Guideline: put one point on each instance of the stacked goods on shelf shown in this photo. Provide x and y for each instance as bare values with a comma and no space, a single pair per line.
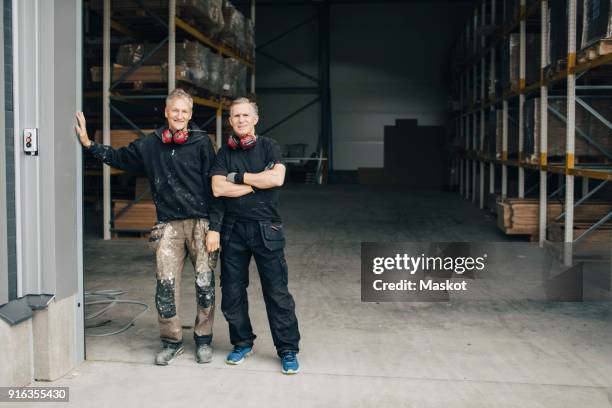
215,80
233,32
557,134
557,33
234,78
512,133
530,123
205,15
597,22
144,73
195,64
585,215
509,62
520,216
490,141
195,60
140,216
249,39
132,54
121,138
533,57
511,67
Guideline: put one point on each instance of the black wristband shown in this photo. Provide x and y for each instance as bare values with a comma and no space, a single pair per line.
239,179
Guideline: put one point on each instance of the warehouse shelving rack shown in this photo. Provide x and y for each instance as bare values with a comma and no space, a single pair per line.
470,124
109,92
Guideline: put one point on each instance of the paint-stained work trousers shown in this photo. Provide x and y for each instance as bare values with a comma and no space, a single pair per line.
172,242
264,241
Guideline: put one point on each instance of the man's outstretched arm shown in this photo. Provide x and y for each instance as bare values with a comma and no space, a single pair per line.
126,158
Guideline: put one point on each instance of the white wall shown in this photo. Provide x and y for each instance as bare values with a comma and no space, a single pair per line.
388,61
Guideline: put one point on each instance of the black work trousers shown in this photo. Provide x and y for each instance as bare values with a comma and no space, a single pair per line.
265,241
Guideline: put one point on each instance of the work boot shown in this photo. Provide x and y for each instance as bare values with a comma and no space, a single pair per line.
204,353
168,353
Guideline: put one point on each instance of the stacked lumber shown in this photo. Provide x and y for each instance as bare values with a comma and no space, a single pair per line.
520,216
585,215
556,231
516,216
121,137
144,73
140,216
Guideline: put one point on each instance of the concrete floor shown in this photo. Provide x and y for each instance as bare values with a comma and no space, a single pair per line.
460,354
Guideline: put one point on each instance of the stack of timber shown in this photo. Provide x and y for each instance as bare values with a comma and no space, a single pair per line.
584,218
140,217
520,216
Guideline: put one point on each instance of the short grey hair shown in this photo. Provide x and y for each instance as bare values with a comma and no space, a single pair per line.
240,101
179,93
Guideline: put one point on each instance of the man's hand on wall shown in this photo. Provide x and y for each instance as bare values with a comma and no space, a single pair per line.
81,130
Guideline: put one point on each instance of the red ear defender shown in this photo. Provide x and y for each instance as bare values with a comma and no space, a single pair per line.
178,137
167,136
233,142
245,143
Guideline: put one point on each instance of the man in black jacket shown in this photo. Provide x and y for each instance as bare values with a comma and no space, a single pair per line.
177,159
248,174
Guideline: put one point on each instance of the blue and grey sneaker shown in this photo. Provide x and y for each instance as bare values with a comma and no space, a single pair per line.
238,354
289,363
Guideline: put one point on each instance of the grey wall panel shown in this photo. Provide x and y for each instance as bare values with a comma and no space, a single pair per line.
47,216
65,156
3,242
9,162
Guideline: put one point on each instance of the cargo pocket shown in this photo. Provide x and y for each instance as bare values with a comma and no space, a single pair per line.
273,235
284,270
157,233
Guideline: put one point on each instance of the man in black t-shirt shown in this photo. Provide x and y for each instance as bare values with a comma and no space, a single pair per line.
177,159
248,173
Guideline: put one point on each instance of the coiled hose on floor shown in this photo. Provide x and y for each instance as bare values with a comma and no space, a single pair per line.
110,297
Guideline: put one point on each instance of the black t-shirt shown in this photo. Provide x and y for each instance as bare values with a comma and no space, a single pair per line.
261,205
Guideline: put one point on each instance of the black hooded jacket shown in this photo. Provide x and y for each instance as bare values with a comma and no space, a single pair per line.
178,173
